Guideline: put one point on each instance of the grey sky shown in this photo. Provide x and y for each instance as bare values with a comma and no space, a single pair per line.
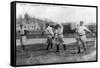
58,13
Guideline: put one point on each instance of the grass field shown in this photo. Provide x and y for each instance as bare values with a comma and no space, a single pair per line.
37,54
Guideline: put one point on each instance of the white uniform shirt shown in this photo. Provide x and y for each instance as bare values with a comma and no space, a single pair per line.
60,30
22,31
81,30
49,30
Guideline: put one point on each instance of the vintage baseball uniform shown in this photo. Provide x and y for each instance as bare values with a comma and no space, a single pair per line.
82,33
60,34
22,32
60,31
49,30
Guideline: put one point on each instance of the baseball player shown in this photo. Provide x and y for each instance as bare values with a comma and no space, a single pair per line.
22,34
81,32
49,30
59,36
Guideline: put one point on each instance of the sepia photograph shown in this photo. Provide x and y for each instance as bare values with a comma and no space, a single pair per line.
51,34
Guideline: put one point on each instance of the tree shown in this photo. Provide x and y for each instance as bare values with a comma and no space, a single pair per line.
27,17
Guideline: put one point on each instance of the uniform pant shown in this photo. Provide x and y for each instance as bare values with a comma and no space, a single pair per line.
81,40
22,41
49,41
60,42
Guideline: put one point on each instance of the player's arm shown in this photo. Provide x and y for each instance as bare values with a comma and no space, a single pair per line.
76,31
46,30
86,29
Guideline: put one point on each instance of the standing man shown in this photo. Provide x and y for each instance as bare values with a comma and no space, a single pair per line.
59,36
22,36
81,32
49,30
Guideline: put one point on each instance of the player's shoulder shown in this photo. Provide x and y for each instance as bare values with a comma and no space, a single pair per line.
49,27
83,26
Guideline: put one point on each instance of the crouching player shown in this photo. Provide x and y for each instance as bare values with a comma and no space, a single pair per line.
81,36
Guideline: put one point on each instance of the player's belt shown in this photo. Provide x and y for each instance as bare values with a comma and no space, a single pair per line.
59,34
49,34
81,35
22,35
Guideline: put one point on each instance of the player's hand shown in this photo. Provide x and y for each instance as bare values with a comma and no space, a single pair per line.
93,34
94,39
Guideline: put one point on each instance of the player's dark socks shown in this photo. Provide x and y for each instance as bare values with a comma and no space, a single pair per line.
84,47
51,45
57,48
64,46
79,51
57,51
23,47
78,47
47,46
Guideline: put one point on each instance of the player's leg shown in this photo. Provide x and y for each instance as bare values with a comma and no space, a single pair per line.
79,49
64,46
83,39
48,44
84,45
21,41
57,50
78,43
49,41
62,41
57,44
51,45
